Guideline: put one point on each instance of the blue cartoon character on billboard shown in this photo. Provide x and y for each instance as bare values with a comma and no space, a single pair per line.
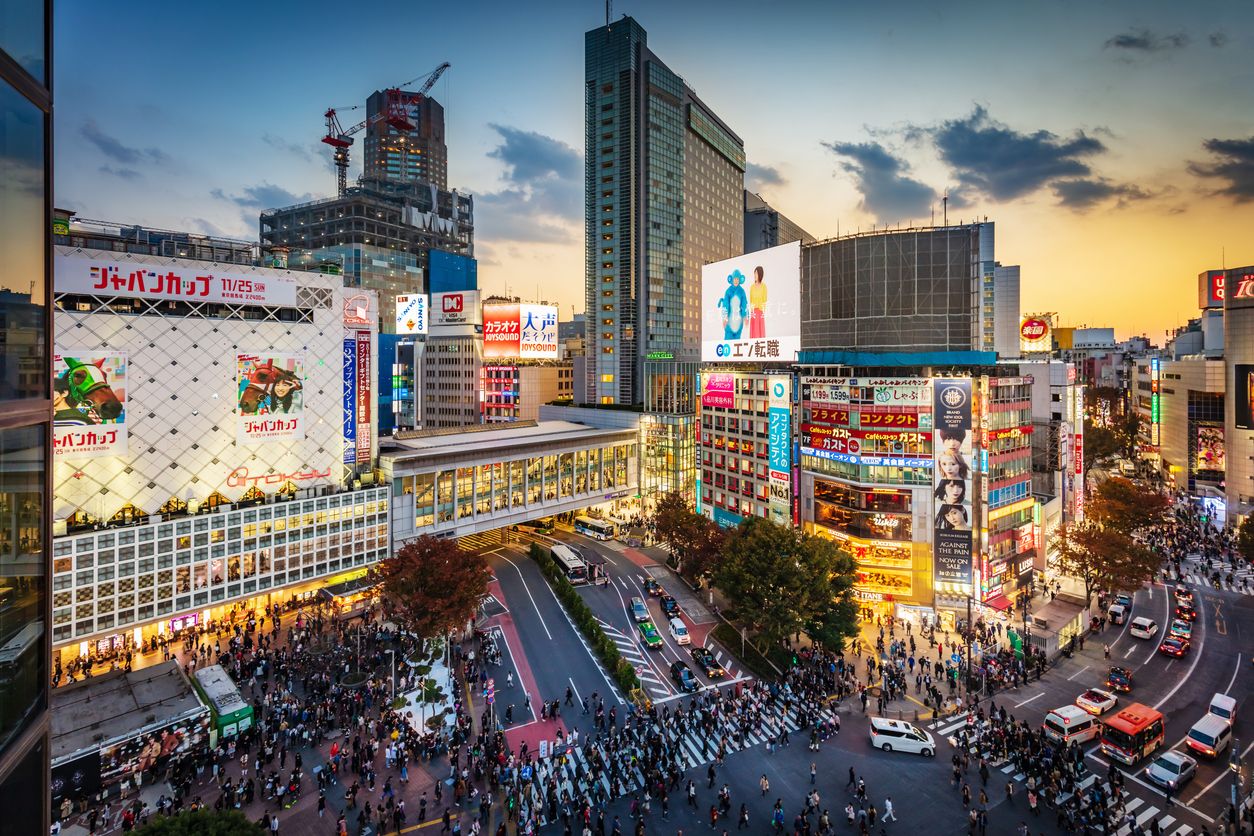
734,305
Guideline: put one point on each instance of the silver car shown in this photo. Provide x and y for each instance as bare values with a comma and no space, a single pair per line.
1171,769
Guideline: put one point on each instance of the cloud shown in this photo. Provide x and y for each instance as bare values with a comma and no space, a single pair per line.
542,196
887,192
287,147
263,196
1086,193
115,150
124,173
1144,40
1233,165
1217,39
760,176
994,160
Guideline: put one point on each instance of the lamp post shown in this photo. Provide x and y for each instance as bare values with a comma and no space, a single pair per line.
392,665
1234,764
970,629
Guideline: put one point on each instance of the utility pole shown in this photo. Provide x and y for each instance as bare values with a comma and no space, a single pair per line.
1234,764
970,628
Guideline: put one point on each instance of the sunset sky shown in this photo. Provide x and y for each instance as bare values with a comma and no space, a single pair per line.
1112,143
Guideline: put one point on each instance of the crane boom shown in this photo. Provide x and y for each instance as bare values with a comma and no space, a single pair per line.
393,112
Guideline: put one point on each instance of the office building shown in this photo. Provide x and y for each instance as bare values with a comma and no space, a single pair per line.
450,271
222,460
1239,385
416,156
381,232
25,454
450,363
515,392
927,289
664,182
766,227
1000,320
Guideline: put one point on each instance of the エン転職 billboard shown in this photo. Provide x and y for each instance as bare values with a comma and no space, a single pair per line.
952,543
270,397
89,405
411,314
751,306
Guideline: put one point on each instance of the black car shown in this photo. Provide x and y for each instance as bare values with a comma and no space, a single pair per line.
652,587
708,664
670,606
683,677
1186,611
1119,679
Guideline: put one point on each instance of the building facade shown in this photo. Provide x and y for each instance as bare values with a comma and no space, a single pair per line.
416,156
71,231
767,227
451,366
515,392
25,416
664,179
222,458
1239,388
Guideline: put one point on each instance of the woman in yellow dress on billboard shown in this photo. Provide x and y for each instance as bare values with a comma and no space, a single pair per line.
757,306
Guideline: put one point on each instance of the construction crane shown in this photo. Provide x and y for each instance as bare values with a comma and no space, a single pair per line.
394,113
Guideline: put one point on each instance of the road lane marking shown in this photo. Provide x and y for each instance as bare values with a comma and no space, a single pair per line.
1131,650
1225,774
1029,699
1234,674
1197,657
529,595
1077,673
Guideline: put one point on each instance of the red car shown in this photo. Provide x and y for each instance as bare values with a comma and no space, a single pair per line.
1176,646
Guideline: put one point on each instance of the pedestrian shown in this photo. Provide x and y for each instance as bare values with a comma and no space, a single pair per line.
888,809
814,772
1106,650
765,785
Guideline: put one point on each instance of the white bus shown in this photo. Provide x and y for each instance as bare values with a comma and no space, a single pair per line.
571,562
600,529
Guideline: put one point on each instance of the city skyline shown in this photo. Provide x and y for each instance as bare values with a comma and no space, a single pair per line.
1129,157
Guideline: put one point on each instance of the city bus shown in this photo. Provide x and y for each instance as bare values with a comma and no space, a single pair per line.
1132,733
231,715
600,529
571,562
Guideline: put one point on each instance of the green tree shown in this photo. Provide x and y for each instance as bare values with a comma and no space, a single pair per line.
1100,443
430,586
694,541
781,581
201,823
670,517
1245,538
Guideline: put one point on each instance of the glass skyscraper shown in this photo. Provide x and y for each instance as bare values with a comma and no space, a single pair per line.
25,410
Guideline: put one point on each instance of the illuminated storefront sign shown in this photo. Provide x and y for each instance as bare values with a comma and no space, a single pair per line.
720,391
1021,505
240,477
1034,334
138,280
1155,414
779,421
952,544
1011,432
411,314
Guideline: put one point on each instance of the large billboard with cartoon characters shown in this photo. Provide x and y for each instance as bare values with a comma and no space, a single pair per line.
270,397
751,307
89,404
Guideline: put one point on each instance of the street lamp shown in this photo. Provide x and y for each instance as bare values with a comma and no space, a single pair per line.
1234,765
392,666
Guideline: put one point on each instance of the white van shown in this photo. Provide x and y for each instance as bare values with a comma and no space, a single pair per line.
679,632
1143,628
1222,705
900,736
1210,736
1118,613
1071,723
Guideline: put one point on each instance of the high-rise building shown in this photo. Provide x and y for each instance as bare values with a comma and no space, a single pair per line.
1001,320
664,182
25,411
413,156
767,227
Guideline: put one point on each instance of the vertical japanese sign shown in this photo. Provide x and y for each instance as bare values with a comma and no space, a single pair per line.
1078,452
411,314
952,546
501,338
89,405
365,386
270,397
350,399
779,435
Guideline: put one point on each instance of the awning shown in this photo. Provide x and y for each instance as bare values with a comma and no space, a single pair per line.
998,602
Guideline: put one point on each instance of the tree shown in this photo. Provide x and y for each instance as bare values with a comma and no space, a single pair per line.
670,516
1126,507
431,586
201,822
695,542
781,581
1102,558
1245,538
1099,443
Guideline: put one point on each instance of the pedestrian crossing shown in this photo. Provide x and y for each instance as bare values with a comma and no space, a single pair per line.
1242,581
572,769
1143,812
629,648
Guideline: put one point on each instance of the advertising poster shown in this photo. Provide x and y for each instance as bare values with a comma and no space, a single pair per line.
270,397
350,400
537,331
88,405
150,752
501,337
365,385
1243,391
411,314
203,283
458,307
720,391
1210,449
779,435
1035,333
952,544
751,306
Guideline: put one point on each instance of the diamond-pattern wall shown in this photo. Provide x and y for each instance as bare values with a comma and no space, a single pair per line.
181,411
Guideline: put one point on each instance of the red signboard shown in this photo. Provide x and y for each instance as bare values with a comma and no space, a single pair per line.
1009,432
900,420
502,335
1033,329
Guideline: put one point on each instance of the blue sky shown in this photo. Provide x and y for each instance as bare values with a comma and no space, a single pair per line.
1112,142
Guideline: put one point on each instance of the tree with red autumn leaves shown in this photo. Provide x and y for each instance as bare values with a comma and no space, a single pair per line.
430,586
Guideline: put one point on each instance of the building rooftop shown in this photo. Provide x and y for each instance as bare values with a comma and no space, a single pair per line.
421,444
118,705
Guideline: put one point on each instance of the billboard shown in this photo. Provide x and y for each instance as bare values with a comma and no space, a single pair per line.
459,307
350,399
1035,333
1210,289
193,282
779,456
500,331
411,314
1243,391
270,397
719,391
365,385
1210,449
88,404
512,330
952,546
751,306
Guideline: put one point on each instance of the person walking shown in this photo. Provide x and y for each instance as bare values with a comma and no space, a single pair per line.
888,810
765,785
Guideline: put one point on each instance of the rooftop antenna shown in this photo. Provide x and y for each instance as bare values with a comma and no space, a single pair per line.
608,3
945,207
